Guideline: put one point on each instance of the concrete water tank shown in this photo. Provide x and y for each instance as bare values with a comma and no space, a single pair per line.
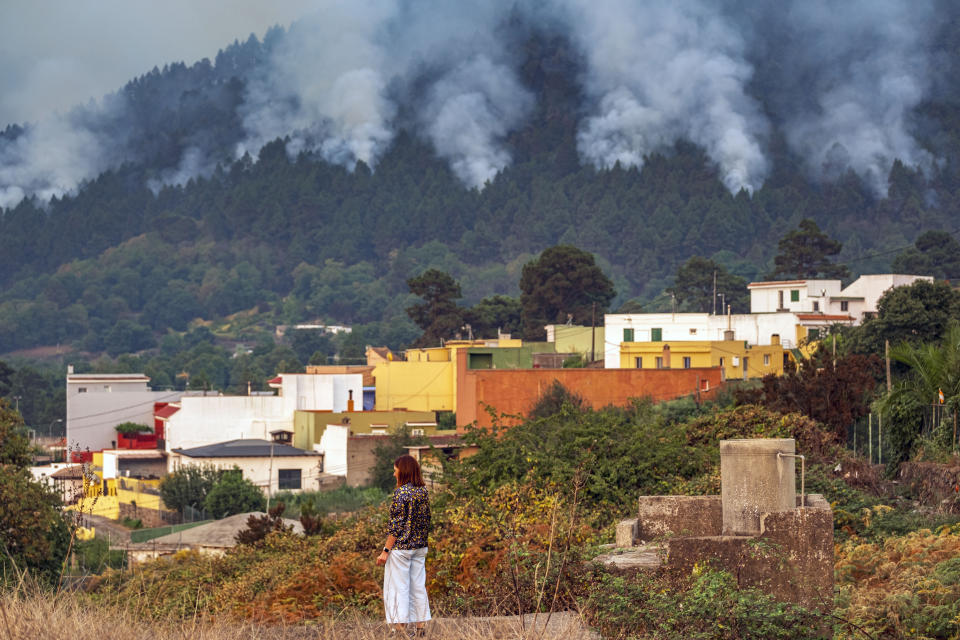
754,480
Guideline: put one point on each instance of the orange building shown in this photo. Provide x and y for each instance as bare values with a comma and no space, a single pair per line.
516,391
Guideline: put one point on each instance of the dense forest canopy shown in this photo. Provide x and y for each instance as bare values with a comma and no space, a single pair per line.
177,224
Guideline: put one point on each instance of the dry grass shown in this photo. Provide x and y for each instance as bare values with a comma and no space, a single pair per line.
38,616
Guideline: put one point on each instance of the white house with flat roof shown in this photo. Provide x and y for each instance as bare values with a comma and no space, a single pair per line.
859,299
98,402
783,312
205,420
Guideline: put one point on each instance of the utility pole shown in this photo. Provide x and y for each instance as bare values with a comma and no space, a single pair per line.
270,478
714,292
593,333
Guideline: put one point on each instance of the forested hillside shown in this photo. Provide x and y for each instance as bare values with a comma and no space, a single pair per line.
296,236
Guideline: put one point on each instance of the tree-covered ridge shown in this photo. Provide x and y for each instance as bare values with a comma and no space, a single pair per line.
310,239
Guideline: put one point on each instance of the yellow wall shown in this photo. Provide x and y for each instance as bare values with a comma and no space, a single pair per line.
703,353
578,339
416,386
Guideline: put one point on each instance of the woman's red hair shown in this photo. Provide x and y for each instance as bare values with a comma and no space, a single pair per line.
408,471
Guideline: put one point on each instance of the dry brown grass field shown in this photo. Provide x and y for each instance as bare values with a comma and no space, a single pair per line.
68,616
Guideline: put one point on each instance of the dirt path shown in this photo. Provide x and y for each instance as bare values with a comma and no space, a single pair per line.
107,529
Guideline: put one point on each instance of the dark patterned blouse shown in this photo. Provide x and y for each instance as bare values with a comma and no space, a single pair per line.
410,517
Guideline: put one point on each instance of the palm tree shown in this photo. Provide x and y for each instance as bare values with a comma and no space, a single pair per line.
912,407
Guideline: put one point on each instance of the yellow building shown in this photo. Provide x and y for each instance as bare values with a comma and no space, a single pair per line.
737,359
427,379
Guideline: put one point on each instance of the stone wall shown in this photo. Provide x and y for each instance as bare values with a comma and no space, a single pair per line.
667,516
792,558
149,517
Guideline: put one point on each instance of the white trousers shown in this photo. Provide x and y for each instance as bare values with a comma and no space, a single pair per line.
405,586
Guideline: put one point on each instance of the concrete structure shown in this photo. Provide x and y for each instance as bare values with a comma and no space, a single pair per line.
308,426
98,402
348,458
828,297
787,550
431,456
271,466
737,359
516,391
757,476
205,420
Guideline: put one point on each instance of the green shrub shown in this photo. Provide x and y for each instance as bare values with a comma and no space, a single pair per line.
234,494
709,605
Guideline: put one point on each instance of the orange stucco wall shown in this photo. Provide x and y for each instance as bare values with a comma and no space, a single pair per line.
515,391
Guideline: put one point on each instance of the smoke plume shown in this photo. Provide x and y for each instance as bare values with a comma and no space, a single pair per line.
665,71
839,80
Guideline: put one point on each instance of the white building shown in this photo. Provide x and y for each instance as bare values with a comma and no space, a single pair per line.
270,465
205,420
784,312
826,296
98,402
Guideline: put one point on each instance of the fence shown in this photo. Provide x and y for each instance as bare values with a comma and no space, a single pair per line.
870,436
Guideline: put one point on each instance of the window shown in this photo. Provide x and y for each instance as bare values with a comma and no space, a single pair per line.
659,362
844,305
628,335
416,433
766,360
481,361
686,362
816,305
721,362
288,478
106,387
82,390
693,332
639,362
656,334
813,334
780,300
794,295
378,432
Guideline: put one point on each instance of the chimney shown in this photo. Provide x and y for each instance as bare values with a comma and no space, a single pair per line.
350,400
666,356
775,339
728,334
69,369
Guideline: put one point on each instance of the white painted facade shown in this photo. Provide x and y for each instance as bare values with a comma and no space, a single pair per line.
333,445
787,309
97,403
827,296
261,470
755,329
207,420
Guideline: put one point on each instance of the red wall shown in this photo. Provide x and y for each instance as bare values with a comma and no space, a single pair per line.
515,391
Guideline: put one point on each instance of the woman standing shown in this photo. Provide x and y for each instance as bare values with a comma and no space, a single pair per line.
404,553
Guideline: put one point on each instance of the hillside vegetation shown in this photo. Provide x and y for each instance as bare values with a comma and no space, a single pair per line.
295,238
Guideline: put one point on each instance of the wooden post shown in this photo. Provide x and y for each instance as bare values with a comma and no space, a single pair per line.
886,354
870,440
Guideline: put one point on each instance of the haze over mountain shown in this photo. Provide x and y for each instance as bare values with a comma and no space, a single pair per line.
841,81
390,137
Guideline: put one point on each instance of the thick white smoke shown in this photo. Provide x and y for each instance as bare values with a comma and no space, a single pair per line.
841,80
468,113
660,71
868,68
50,158
323,85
